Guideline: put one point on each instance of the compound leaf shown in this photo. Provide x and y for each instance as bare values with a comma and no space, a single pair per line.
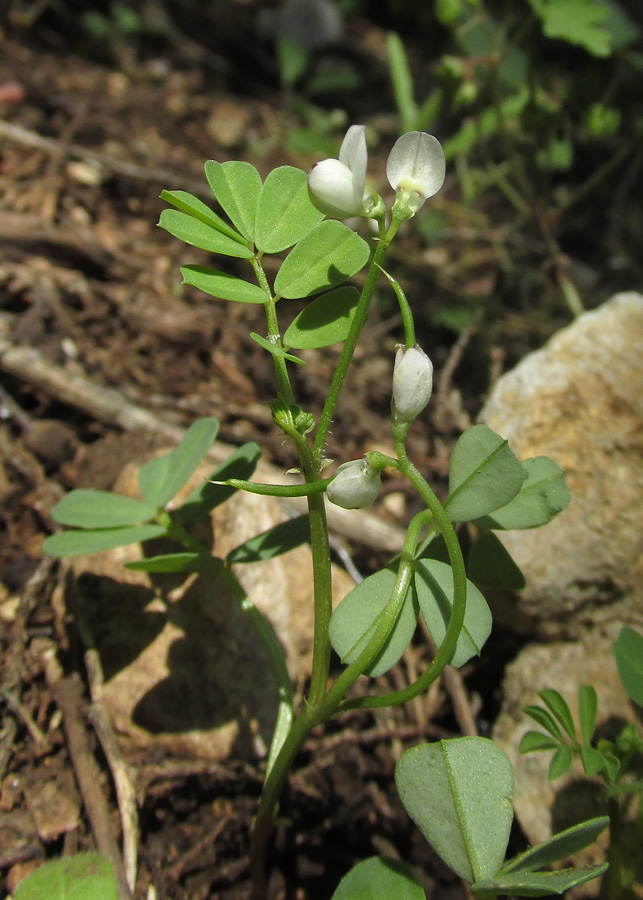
559,846
459,793
83,876
165,562
223,285
484,475
538,884
191,205
276,540
542,495
324,321
491,564
206,496
379,878
434,587
285,213
83,543
87,508
355,619
326,256
196,233
628,653
237,186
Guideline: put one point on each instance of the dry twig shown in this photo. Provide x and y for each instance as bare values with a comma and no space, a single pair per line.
68,694
109,405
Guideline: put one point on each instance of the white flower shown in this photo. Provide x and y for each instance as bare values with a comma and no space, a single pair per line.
412,383
416,168
338,186
354,486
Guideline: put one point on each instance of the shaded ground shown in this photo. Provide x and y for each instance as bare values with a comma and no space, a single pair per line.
89,135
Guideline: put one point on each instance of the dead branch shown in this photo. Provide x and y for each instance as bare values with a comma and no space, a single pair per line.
68,693
29,138
110,406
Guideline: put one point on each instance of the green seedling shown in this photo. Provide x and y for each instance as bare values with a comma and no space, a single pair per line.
297,214
617,762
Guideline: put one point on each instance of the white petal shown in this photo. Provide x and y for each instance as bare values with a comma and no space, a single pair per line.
332,188
416,164
353,153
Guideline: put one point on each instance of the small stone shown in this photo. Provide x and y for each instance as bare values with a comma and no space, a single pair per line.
228,123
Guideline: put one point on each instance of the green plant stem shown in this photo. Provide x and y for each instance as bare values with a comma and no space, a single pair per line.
635,848
615,854
312,715
445,652
278,490
405,312
283,381
357,324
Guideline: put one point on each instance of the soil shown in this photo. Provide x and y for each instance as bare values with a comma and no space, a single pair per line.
92,129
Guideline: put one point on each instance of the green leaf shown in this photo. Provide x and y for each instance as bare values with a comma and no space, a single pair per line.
545,720
355,619
484,475
379,878
285,213
538,884
165,562
477,129
532,741
292,58
459,793
324,321
191,205
162,478
593,761
491,564
87,508
237,186
628,653
84,876
196,233
434,586
151,477
557,705
543,494
273,542
580,22
587,711
206,496
275,349
559,846
222,285
83,543
561,762
326,256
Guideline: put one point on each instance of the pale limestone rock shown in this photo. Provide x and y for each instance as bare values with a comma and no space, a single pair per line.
183,667
579,400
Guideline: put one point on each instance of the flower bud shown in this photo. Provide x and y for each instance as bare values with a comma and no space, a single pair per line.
338,186
412,383
354,486
332,189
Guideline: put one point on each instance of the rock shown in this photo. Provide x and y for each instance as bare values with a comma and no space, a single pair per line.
184,669
579,400
545,807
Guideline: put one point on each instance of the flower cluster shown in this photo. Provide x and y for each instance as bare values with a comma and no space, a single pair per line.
415,170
